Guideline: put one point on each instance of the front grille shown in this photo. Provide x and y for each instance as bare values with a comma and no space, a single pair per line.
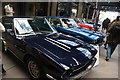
81,68
76,70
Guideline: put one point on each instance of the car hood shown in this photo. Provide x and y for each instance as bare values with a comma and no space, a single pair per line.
61,48
87,33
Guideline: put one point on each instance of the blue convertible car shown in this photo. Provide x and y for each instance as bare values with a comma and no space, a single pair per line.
69,26
46,52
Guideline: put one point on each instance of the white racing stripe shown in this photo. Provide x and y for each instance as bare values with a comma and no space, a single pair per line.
57,45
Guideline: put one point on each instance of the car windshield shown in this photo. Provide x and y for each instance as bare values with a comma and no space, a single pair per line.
32,26
82,20
67,23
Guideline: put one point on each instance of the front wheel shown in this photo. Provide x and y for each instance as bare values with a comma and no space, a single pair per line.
35,69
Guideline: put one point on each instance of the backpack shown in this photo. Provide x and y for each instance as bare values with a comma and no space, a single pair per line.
116,31
114,35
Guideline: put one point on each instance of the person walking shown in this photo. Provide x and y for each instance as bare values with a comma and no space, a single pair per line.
105,24
2,29
113,39
105,27
9,9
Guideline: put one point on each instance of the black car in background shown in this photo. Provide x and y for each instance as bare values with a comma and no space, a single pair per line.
46,52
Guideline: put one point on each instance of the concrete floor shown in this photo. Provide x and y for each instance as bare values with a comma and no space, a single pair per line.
15,68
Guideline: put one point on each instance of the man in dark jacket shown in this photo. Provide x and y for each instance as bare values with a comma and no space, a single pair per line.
113,37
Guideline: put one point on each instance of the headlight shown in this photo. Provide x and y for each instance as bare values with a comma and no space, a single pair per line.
89,56
85,52
64,66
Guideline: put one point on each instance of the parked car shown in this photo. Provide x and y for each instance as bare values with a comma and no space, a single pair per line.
69,26
82,23
46,52
90,24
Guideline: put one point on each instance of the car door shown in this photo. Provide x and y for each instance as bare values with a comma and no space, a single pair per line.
8,35
19,44
13,44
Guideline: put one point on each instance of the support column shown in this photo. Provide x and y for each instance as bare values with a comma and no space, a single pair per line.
54,8
118,61
96,15
0,9
88,10
80,9
49,6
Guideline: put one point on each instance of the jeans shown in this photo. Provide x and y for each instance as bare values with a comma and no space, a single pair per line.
110,49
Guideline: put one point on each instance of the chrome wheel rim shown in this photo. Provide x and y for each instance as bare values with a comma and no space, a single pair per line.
33,69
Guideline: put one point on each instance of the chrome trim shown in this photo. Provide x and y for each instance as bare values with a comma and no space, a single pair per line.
50,77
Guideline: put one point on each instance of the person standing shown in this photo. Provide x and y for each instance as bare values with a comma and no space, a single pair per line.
113,38
2,29
9,10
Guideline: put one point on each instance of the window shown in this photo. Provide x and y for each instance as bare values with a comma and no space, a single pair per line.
31,26
69,23
68,9
22,26
55,22
40,25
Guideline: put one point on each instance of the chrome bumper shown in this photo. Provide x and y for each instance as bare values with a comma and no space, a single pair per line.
79,75
83,73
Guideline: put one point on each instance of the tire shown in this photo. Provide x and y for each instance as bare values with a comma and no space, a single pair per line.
35,69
